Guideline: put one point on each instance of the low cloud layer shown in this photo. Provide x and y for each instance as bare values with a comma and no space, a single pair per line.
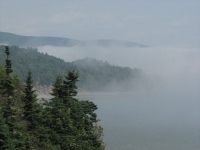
164,106
176,68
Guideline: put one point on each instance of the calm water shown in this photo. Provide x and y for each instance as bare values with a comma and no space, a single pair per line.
150,121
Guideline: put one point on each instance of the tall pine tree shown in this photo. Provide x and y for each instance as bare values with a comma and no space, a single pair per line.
69,84
31,107
12,128
57,87
7,85
72,121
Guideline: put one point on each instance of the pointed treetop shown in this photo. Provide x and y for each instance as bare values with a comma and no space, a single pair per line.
7,51
8,65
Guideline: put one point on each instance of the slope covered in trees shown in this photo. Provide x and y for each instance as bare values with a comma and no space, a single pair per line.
97,75
44,67
62,123
94,75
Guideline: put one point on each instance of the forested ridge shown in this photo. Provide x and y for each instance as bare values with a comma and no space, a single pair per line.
34,41
61,123
24,41
94,75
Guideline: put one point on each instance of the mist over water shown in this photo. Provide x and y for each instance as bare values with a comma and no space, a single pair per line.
163,113
150,122
169,69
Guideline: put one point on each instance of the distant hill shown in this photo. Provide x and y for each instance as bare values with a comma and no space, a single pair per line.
110,42
33,41
94,75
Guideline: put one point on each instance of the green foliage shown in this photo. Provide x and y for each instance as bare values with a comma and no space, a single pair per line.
45,68
57,87
8,61
94,75
97,75
70,117
7,87
2,80
2,73
63,122
6,84
69,84
4,132
13,127
30,103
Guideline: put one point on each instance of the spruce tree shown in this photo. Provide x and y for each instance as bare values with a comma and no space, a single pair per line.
32,115
4,132
72,121
2,79
69,84
7,85
30,103
12,115
12,128
60,108
8,65
57,87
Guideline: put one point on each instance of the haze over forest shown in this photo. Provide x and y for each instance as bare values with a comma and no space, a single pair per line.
161,38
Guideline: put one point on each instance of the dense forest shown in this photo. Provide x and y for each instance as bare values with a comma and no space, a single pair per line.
94,75
61,123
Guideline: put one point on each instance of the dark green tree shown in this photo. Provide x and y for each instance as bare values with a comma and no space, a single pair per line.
12,125
72,121
31,107
2,79
4,132
69,84
8,65
57,87
2,73
13,133
63,122
6,84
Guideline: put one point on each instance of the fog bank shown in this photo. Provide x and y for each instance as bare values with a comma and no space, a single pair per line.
175,69
163,112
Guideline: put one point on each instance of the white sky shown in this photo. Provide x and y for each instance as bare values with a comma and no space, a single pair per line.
152,22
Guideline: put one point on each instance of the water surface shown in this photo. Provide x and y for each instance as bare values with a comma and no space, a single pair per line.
150,121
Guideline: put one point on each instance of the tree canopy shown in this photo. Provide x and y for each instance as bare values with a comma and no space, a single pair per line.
94,75
61,123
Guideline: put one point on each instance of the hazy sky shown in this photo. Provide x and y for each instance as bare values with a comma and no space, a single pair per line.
152,22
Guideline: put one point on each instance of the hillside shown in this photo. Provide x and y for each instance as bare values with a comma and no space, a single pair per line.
33,41
94,75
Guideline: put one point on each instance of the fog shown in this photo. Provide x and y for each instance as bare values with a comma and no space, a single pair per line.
176,69
164,113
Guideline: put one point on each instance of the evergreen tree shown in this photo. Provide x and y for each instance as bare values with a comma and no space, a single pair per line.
61,107
2,73
12,128
9,112
72,121
57,87
31,107
31,114
4,132
7,85
8,65
63,123
13,125
69,84
2,79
